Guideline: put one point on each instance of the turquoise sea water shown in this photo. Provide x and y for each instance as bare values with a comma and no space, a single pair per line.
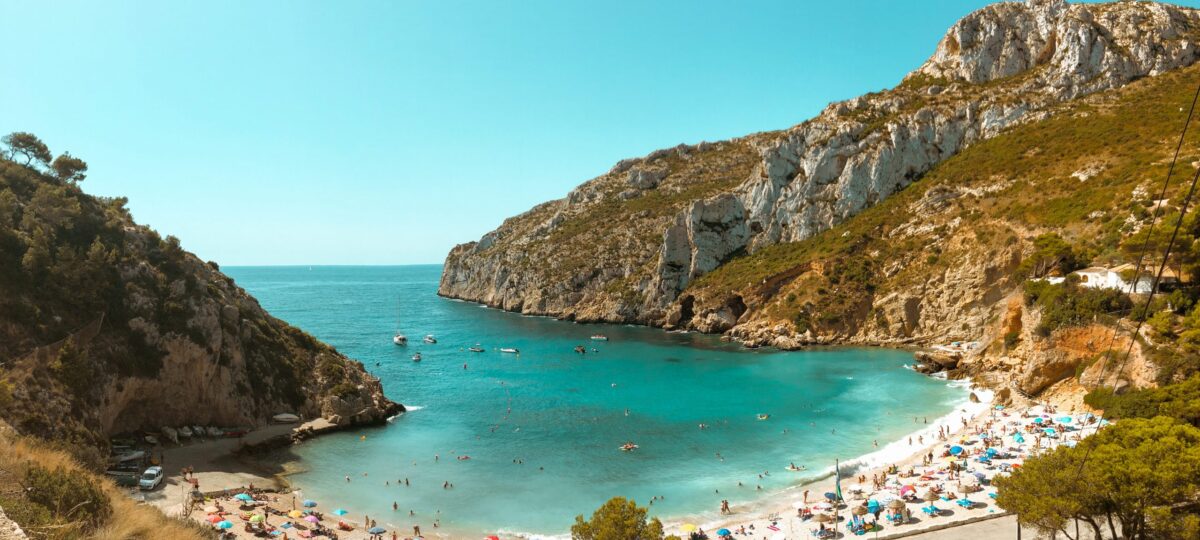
563,415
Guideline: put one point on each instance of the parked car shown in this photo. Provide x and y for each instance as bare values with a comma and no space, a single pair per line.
151,478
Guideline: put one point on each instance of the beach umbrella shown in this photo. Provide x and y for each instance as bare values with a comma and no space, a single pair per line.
723,532
686,527
310,503
296,514
907,489
1051,431
873,505
930,496
1066,420
377,530
956,450
256,518
831,495
491,537
311,518
224,525
1038,420
860,511
999,407
822,518
243,497
896,504
214,519
980,476
340,512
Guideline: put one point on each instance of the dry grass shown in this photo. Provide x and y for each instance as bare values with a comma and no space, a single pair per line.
129,520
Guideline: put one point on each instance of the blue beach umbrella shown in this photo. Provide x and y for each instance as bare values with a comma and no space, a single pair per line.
723,532
872,505
224,525
999,407
955,450
377,530
1050,431
992,452
243,497
1066,420
310,503
340,512
1038,420
1019,438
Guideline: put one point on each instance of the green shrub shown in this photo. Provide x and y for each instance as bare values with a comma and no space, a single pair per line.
68,496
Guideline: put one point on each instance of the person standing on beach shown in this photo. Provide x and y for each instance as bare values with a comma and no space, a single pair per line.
806,496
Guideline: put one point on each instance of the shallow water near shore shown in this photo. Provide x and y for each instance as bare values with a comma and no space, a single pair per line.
562,416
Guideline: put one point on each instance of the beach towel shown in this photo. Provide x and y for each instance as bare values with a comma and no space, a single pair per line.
773,527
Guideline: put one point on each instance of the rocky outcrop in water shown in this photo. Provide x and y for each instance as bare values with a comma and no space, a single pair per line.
106,327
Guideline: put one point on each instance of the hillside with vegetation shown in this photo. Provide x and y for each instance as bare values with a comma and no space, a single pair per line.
106,327
1031,144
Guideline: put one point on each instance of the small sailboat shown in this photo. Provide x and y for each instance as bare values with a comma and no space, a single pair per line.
510,350
416,357
476,348
599,337
762,416
629,447
429,339
399,338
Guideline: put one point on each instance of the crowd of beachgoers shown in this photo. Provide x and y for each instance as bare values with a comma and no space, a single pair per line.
946,478
943,475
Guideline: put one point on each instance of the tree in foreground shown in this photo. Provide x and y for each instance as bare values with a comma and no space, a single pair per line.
1126,477
617,519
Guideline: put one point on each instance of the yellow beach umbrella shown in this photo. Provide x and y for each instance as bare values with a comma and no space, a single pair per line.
296,514
256,518
687,527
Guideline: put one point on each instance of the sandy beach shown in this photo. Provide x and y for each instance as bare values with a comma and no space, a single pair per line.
223,476
1011,430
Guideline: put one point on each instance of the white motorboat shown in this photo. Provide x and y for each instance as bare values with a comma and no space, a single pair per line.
599,337
185,432
429,339
286,418
400,339
476,348
510,350
416,357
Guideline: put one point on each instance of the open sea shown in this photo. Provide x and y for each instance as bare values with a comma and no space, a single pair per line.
542,428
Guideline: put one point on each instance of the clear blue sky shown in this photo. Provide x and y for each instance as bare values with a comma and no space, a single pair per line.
385,132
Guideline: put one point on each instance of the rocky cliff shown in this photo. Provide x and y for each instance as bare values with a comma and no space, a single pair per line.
1022,122
106,327
682,212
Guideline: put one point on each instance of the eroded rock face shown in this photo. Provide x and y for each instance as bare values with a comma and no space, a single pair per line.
1002,65
223,361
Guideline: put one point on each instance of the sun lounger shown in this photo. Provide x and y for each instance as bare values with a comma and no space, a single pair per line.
965,503
931,511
